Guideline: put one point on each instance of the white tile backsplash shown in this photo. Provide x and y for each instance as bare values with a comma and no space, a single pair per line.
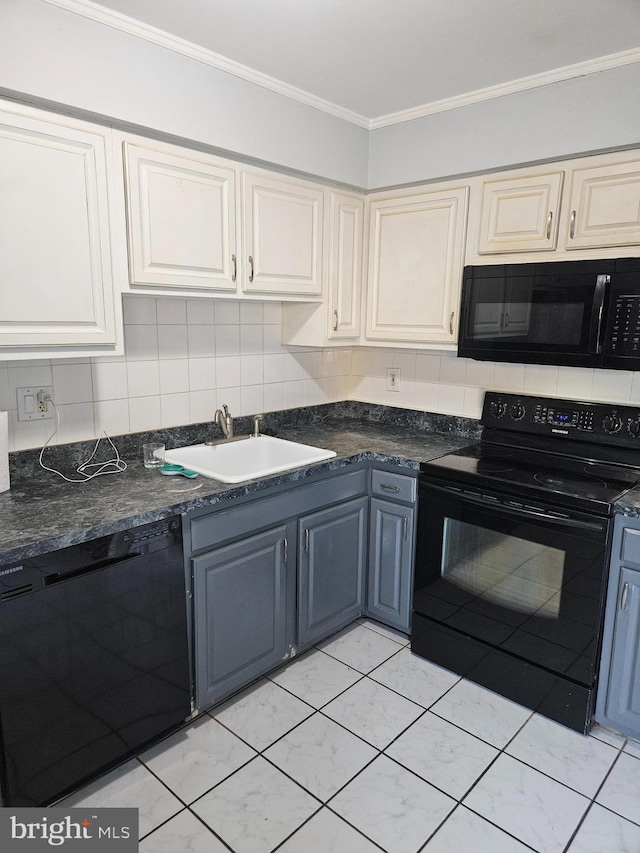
184,357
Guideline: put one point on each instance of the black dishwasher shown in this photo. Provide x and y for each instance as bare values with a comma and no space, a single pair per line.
94,658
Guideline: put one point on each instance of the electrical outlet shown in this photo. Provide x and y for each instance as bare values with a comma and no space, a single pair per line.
393,378
32,406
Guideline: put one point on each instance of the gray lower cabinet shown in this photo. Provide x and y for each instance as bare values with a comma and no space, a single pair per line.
618,702
390,563
332,558
243,594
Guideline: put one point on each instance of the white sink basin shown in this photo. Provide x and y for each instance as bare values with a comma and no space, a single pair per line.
235,461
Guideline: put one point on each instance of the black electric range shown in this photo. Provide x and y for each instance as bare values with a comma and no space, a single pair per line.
513,549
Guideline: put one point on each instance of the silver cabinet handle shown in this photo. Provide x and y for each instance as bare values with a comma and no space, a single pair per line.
506,319
335,321
250,268
306,539
623,597
572,226
389,488
285,550
549,221
235,268
451,322
405,527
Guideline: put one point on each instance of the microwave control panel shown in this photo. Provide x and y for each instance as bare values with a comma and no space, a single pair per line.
569,419
625,328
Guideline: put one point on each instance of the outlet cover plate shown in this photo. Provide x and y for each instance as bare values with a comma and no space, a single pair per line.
29,408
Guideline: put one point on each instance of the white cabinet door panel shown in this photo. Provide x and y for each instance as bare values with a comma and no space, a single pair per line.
55,246
520,214
282,236
415,266
345,265
605,206
181,216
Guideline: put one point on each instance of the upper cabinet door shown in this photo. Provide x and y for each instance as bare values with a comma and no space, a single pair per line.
181,220
416,246
282,236
520,214
345,265
55,248
605,206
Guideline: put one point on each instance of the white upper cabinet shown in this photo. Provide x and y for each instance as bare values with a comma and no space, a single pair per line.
585,204
282,224
604,205
346,215
416,249
56,279
336,321
520,214
181,213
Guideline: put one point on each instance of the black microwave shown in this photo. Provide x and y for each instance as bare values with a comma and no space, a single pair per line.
580,313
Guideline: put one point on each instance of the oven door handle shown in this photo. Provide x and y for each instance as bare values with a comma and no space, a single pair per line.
530,513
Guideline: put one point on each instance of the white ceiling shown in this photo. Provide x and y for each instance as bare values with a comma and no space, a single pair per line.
378,57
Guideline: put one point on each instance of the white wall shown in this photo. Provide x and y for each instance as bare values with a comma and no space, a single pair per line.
183,359
47,52
590,113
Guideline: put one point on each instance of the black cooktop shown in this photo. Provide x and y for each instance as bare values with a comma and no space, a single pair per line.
530,473
580,455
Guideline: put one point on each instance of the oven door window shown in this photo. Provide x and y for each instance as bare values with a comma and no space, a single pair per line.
527,585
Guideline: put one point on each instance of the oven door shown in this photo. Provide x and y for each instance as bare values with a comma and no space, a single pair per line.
527,581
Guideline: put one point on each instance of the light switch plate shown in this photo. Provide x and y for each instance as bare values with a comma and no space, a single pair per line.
393,378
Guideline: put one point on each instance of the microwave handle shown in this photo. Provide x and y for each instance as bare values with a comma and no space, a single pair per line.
595,333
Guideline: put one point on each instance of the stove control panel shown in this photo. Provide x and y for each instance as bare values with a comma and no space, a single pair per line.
569,419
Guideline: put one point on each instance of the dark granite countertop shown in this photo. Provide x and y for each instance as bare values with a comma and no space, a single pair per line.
42,512
629,504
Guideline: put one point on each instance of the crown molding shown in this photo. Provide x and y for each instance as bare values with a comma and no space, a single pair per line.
102,15
535,81
139,29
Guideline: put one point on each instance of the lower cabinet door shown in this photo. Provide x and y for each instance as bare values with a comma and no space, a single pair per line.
244,604
331,564
623,690
390,563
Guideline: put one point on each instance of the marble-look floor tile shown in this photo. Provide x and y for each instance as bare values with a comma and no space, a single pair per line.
621,790
573,759
607,736
392,806
633,748
534,808
439,752
317,678
415,678
320,755
197,758
466,832
386,631
603,831
482,712
255,809
360,648
327,833
262,713
126,786
373,712
184,833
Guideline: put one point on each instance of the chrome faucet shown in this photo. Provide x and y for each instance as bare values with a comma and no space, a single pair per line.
225,421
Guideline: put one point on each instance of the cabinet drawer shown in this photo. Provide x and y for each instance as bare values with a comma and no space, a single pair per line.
223,524
394,487
630,548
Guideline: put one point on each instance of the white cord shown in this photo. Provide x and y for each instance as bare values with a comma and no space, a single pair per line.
111,466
